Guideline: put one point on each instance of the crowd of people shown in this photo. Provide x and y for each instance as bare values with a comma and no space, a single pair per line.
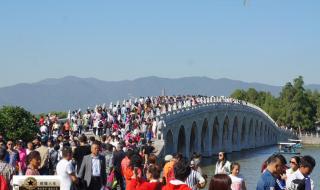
120,154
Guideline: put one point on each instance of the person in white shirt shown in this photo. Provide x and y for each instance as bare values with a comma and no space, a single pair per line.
44,129
237,181
223,165
294,165
29,147
301,178
66,170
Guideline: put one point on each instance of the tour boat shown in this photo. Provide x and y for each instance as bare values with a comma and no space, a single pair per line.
297,141
287,148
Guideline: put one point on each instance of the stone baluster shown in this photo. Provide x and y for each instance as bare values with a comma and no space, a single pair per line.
175,106
163,110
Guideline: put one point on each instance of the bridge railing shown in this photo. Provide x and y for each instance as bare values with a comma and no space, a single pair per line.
195,103
308,134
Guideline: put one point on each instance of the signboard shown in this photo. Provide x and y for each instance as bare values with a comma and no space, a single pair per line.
49,182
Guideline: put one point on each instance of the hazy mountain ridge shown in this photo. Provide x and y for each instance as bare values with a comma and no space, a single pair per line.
73,92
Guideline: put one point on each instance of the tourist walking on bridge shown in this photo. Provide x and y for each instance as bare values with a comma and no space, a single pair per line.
12,156
6,170
152,182
44,154
34,162
93,169
65,170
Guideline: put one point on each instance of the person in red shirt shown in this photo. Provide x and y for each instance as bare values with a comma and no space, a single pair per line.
152,183
67,127
126,161
181,172
135,167
41,121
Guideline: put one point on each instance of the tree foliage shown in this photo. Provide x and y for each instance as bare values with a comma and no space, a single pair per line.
58,114
17,123
295,107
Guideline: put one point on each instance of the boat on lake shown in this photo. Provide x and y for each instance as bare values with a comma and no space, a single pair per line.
297,141
288,148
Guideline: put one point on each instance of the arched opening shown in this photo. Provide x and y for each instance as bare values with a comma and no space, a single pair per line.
169,143
235,131
204,136
256,132
182,141
193,138
243,131
261,130
250,134
215,134
225,134
265,133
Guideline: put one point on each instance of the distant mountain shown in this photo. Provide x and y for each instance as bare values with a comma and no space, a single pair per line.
73,92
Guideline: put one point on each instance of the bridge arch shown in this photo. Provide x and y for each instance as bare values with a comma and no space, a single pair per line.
235,131
182,141
265,133
169,142
215,133
193,138
204,136
261,133
243,130
225,132
256,133
250,134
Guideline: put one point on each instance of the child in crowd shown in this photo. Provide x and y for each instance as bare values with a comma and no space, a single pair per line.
238,182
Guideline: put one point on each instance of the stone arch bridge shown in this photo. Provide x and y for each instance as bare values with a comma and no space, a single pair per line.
217,126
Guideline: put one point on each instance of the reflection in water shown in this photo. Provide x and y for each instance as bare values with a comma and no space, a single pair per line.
251,161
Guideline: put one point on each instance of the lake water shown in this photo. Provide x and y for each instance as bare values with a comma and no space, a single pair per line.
251,161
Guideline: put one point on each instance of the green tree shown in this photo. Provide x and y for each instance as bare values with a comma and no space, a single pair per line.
286,96
60,115
240,95
17,123
253,96
295,107
315,99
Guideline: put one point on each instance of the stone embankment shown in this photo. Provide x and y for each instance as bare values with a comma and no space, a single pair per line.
310,138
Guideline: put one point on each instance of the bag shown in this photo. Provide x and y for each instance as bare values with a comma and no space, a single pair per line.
78,186
3,181
111,181
297,184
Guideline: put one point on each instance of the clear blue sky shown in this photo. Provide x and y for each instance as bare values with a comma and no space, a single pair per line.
269,41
